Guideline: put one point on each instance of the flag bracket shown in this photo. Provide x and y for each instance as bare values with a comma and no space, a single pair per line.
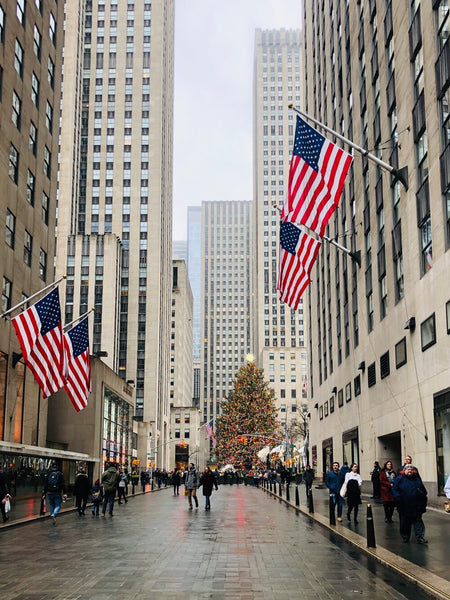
50,285
355,256
16,356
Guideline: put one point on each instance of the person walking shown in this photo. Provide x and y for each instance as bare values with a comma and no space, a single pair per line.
208,481
134,481
334,481
97,497
81,491
55,490
387,477
176,480
410,497
110,479
4,495
191,482
353,483
122,487
308,478
375,479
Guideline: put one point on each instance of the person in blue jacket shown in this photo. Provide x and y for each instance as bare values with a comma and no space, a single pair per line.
410,496
334,480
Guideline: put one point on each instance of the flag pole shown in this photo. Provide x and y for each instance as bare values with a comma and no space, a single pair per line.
400,174
50,285
78,319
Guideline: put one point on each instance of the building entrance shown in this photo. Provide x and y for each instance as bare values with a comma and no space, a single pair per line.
390,448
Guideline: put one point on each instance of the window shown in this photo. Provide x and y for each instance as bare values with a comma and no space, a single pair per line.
18,59
33,138
35,90
6,294
49,116
38,5
20,11
30,187
357,385
400,353
10,231
447,310
37,42
51,73
384,365
371,375
341,398
2,25
16,110
47,161
27,248
42,264
45,207
348,392
52,28
428,332
13,163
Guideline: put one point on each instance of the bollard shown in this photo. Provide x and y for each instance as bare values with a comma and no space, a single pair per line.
370,528
280,493
270,486
332,511
297,496
152,484
288,499
310,502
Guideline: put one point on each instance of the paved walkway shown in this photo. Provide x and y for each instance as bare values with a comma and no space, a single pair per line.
249,546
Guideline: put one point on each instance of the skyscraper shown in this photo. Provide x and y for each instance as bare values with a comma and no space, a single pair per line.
377,73
226,331
280,331
115,192
194,266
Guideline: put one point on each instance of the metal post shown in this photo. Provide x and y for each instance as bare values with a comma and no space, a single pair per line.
332,511
287,493
280,493
370,528
310,502
297,496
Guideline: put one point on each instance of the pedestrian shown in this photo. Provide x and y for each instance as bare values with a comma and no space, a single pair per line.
387,477
55,490
447,488
191,482
208,481
122,487
334,481
4,495
97,497
134,481
308,478
176,480
375,479
408,461
353,483
143,480
410,497
81,491
344,469
110,479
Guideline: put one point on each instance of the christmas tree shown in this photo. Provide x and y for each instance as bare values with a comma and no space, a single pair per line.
248,420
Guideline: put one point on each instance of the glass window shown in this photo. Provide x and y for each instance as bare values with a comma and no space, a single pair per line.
10,231
42,264
2,25
33,138
52,28
35,90
6,297
400,353
45,207
37,42
428,332
30,187
47,161
27,248
13,169
51,73
20,11
16,110
18,59
49,117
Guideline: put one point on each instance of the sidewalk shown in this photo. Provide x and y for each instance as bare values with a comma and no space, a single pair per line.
426,565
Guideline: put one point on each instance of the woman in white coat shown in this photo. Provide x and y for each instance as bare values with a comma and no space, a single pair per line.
353,483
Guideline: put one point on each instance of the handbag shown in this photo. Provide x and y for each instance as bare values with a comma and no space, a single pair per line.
343,491
7,505
447,506
185,492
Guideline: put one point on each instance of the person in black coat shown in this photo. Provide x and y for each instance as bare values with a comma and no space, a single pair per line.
81,490
308,478
176,481
410,496
375,478
208,481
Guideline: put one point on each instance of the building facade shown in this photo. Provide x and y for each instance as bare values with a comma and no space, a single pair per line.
226,328
194,266
116,180
377,72
280,341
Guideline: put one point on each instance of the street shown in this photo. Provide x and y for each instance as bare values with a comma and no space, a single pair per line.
248,546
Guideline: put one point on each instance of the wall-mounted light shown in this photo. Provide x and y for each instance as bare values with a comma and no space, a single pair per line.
316,406
362,366
334,390
410,324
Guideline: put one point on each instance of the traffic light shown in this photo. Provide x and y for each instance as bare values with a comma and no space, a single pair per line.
182,444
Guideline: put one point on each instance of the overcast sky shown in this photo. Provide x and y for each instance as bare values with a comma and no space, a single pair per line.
214,42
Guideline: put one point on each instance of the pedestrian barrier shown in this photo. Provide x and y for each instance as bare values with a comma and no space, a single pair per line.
270,484
310,502
332,511
287,492
280,493
297,496
370,528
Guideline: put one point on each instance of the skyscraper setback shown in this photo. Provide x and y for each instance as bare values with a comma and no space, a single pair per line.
114,197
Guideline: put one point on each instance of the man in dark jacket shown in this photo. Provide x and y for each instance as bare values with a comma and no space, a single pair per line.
308,478
410,498
55,490
334,481
110,479
81,491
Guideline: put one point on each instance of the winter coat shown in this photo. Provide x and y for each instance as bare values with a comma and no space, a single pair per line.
208,481
3,486
334,481
81,487
386,480
354,483
308,476
191,479
410,495
110,479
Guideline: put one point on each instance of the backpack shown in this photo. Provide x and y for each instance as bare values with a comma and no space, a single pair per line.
53,481
96,495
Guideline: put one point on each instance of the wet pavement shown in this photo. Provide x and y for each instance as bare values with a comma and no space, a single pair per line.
249,546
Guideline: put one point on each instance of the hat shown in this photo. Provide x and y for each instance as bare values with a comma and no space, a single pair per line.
97,482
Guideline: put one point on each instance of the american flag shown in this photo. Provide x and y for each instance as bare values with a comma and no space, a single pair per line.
210,432
316,178
78,384
40,335
298,251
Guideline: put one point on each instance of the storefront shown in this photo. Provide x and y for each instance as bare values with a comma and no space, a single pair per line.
442,435
350,446
118,442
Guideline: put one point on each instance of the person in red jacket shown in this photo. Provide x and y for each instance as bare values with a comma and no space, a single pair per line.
387,476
